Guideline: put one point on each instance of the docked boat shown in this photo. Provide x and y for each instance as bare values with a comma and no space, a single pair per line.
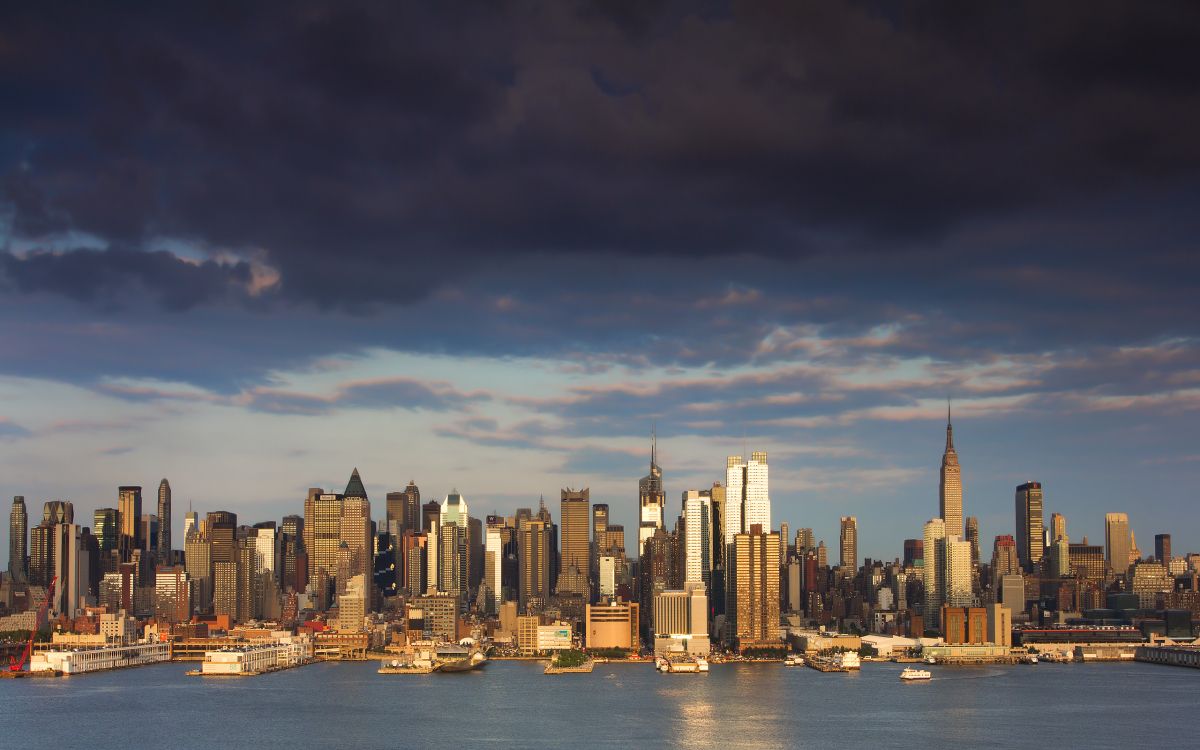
681,664
848,660
474,660
793,660
415,666
915,674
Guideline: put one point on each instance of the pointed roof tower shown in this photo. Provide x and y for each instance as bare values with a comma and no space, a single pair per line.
354,488
949,430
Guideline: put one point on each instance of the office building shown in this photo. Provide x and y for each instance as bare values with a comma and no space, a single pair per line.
322,531
534,553
225,580
999,625
575,553
914,552
934,571
404,508
849,543
105,526
1162,548
697,536
753,589
1030,543
492,590
652,500
18,539
950,486
747,494
1004,557
163,542
1117,542
197,559
1088,561
172,594
606,583
1012,594
129,516
612,625
71,568
352,605
1058,527
958,572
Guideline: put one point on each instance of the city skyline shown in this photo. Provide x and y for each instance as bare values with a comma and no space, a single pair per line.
246,270
631,514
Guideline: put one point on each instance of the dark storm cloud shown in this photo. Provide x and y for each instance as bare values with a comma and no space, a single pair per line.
358,143
114,278
526,181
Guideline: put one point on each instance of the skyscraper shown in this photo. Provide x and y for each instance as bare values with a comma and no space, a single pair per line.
322,531
105,525
1058,527
950,488
599,540
754,589
18,536
41,554
652,499
405,508
934,571
1117,542
914,550
958,572
697,541
431,516
354,528
849,543
973,538
1029,524
574,507
747,494
1004,557
1162,548
129,516
493,565
164,521
534,553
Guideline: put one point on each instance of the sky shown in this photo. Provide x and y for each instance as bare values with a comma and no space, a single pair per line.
492,247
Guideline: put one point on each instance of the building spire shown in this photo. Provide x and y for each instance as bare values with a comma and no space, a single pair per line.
949,429
653,446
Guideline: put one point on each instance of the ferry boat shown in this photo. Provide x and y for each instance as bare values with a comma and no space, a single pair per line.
848,660
915,674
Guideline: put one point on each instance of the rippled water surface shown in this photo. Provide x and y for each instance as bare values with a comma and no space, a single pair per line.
766,705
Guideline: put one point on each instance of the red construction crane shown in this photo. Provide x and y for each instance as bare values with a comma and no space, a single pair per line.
17,666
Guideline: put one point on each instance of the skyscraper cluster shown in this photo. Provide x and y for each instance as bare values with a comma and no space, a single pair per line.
711,570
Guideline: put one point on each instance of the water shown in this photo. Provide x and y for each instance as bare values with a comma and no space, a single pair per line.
513,703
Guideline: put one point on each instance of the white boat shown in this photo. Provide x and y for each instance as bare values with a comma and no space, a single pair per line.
701,664
793,661
931,660
661,664
915,674
848,660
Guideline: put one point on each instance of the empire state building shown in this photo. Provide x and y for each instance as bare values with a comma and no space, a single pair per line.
950,490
